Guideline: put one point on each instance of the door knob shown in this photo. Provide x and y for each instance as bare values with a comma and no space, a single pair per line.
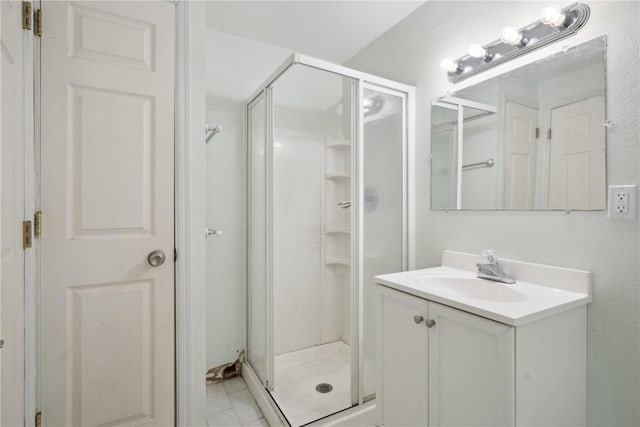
345,204
156,258
418,319
430,323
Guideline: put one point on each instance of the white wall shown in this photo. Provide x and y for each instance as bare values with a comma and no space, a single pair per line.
235,67
577,85
411,52
297,226
226,255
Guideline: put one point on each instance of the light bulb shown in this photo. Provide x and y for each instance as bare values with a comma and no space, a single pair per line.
512,36
553,16
449,65
477,51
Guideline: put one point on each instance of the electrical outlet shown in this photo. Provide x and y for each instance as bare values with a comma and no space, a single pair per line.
622,202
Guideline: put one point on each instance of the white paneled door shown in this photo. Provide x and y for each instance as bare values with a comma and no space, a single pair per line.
520,156
107,352
577,176
12,215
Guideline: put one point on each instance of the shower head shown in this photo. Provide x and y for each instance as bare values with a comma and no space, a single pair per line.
211,131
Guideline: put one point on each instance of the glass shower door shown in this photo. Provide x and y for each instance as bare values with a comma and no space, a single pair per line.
258,331
383,208
311,260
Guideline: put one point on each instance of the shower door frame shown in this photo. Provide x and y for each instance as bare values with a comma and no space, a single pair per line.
360,81
408,228
264,95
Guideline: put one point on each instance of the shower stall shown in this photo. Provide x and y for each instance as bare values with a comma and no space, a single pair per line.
330,151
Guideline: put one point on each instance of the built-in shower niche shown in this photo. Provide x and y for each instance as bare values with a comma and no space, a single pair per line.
337,239
337,204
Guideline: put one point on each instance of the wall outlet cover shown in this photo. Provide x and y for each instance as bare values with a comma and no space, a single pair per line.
622,202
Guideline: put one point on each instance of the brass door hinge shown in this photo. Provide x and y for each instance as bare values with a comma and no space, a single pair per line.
39,419
26,15
26,234
549,134
537,133
38,23
37,224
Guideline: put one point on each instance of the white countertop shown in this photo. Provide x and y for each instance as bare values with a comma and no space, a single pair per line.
512,304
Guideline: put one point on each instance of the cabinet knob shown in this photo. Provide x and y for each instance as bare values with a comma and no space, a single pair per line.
430,323
418,319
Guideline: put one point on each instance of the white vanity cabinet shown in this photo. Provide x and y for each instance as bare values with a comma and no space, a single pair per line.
441,366
444,366
454,350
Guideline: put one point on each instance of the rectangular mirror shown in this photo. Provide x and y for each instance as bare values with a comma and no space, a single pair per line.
532,138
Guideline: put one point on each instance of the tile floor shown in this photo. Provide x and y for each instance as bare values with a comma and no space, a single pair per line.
297,374
230,404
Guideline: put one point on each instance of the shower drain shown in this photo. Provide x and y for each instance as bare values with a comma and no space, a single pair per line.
324,388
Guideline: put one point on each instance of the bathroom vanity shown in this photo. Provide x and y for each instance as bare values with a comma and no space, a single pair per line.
457,350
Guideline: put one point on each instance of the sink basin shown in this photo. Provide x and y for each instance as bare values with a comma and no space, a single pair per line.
540,291
471,287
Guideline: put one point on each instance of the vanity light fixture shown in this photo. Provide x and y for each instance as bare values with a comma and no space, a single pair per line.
513,37
479,52
449,65
555,24
554,17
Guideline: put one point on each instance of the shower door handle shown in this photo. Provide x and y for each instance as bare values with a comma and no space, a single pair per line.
345,204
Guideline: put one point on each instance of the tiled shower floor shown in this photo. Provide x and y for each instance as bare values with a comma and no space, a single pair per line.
297,374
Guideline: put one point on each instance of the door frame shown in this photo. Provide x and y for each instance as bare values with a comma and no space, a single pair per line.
28,322
190,192
190,390
31,46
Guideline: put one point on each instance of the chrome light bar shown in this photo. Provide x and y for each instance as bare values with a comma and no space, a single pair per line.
554,25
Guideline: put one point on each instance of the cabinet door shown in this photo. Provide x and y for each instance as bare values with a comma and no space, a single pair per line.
402,385
471,370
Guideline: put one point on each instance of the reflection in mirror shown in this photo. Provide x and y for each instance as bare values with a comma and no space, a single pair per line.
532,138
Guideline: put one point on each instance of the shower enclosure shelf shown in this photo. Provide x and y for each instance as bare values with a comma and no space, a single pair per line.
337,261
337,175
339,144
337,230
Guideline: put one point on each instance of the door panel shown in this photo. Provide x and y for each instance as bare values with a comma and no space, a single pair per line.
471,365
383,213
12,214
403,348
258,293
107,197
127,145
520,155
577,177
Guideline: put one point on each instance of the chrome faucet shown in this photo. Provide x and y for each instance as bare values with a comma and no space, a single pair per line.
489,268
